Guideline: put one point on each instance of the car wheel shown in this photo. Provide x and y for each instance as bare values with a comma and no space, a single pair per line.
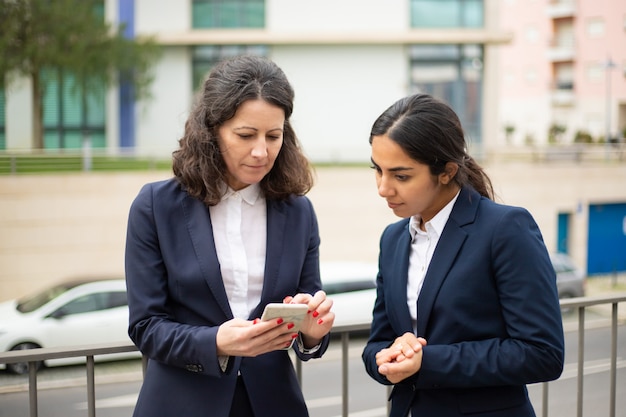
22,367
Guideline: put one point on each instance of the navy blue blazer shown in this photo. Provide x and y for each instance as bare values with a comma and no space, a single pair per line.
488,309
177,301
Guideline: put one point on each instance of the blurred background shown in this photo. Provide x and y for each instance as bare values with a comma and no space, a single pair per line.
539,85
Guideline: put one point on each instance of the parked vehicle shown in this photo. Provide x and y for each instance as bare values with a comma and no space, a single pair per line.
570,280
79,312
352,287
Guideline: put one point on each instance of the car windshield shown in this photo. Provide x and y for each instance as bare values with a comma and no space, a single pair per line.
33,302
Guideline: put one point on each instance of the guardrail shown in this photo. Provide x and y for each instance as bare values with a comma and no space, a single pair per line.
580,304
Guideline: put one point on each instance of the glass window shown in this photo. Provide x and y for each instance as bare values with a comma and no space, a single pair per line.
71,115
206,56
447,13
3,143
452,73
84,304
117,299
228,14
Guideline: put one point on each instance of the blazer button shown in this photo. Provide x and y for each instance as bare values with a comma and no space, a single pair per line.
194,368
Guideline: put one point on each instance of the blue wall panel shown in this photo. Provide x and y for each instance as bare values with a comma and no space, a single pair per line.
606,251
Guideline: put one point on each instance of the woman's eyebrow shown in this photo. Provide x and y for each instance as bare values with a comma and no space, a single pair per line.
394,169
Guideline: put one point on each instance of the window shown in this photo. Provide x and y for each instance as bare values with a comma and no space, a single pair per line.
447,13
93,302
452,73
71,115
117,299
205,57
228,14
3,143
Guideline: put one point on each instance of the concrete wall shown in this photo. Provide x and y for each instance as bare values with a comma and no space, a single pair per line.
58,226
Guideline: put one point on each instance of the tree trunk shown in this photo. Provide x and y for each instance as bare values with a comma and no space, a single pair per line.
37,112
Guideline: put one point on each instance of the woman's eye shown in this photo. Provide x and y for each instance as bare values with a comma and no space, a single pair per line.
375,168
244,136
402,177
273,138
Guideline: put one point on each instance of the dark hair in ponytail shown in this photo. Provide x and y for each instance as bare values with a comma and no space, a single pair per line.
430,132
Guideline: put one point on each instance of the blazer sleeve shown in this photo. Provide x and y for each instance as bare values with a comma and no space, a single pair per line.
521,344
495,318
152,323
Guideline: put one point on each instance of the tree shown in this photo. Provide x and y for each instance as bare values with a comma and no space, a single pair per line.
68,35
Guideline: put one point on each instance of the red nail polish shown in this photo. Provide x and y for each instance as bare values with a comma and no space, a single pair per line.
293,336
315,313
290,325
256,321
279,321
320,321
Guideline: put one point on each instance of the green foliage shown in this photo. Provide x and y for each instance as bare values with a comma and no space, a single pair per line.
33,164
555,132
69,35
582,136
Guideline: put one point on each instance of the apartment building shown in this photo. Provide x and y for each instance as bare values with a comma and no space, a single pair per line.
348,60
563,75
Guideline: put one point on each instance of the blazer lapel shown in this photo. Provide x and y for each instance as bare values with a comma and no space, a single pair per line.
450,243
276,221
397,296
200,231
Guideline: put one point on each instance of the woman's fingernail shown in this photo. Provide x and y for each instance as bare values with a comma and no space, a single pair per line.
320,321
279,321
293,336
315,313
290,325
256,321
287,344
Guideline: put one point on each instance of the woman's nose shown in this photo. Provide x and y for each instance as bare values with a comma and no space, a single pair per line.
259,149
384,190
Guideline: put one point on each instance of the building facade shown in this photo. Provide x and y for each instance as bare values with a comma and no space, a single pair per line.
347,61
563,76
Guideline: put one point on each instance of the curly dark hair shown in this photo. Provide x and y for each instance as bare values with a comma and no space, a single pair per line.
430,132
198,164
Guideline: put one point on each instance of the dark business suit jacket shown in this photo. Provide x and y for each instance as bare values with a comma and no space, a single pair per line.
177,301
488,308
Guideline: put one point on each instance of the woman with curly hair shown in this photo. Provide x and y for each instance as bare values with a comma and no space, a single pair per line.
207,250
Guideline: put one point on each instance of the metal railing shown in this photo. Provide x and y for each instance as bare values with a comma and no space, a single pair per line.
580,304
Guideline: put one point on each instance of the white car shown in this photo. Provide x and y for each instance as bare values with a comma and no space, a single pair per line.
352,287
72,313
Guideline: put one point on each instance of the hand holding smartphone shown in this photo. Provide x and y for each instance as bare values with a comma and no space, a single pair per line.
290,313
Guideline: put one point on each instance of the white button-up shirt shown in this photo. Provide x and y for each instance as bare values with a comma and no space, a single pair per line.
423,244
240,232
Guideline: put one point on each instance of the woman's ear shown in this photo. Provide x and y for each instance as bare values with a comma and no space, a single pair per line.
449,172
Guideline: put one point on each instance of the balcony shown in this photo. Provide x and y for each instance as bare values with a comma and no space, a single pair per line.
563,93
562,50
558,9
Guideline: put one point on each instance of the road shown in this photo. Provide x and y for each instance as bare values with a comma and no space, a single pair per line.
322,385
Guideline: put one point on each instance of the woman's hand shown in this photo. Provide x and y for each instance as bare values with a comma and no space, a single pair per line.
402,359
319,319
238,337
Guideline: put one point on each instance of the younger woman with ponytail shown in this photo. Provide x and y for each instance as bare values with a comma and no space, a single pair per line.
467,311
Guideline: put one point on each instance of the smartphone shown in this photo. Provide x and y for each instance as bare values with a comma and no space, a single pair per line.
290,313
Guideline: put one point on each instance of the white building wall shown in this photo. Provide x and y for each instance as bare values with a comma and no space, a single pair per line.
152,16
19,115
161,119
340,90
337,16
